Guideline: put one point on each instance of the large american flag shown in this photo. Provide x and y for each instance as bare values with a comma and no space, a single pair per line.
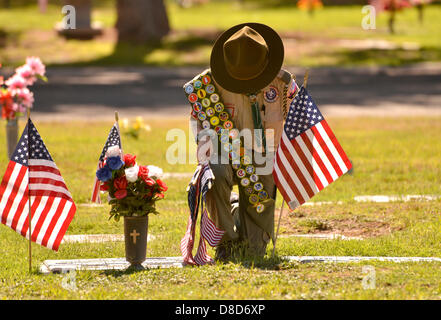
32,173
113,139
309,156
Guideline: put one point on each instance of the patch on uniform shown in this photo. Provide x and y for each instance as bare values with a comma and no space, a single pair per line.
219,107
210,89
210,112
197,84
193,98
206,124
205,102
223,116
271,94
197,106
206,79
214,98
202,116
201,93
215,121
189,89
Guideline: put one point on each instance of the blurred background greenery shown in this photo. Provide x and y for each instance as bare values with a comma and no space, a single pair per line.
330,35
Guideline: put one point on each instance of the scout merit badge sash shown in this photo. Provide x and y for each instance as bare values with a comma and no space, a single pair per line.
209,109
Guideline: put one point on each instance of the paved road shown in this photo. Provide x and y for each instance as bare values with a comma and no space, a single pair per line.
95,93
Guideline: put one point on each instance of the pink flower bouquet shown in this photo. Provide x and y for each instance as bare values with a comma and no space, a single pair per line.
15,97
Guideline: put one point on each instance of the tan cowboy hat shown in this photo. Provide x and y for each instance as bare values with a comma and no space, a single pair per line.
246,57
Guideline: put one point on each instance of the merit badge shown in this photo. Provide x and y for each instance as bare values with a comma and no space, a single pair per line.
201,93
206,102
250,169
263,195
249,190
245,182
194,114
192,97
197,106
271,94
219,107
202,116
228,147
260,207
206,79
206,124
235,166
210,89
258,186
224,138
234,133
197,84
254,178
223,116
188,89
234,157
218,129
214,121
210,112
246,160
214,98
241,173
228,124
254,199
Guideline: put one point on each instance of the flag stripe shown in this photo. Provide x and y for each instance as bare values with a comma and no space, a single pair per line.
321,154
336,144
332,149
316,157
295,163
13,171
310,158
64,227
47,222
17,189
291,177
312,175
46,205
327,152
284,185
63,212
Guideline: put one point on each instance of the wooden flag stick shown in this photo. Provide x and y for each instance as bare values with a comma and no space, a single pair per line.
29,202
116,116
305,78
278,226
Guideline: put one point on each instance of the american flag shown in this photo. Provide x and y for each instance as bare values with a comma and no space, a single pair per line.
199,185
114,139
309,156
32,173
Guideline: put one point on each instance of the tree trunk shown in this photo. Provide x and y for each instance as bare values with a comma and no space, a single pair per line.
141,21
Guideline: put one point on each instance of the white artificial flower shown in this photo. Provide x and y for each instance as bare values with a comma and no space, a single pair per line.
113,151
155,171
132,173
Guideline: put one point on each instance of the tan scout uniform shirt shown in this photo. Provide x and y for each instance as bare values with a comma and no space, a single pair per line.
239,107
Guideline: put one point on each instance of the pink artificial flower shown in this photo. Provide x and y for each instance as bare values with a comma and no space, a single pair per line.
36,65
24,98
27,74
16,82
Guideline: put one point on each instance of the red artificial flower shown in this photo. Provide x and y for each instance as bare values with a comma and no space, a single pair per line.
121,194
160,195
143,172
104,186
6,102
129,160
120,183
149,181
162,185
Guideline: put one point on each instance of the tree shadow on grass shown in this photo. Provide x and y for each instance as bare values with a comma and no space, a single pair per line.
390,57
127,54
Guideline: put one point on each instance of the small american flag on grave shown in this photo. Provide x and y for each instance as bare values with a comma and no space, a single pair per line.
33,181
309,157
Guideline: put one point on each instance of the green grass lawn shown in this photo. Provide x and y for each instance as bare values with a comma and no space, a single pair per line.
390,157
310,41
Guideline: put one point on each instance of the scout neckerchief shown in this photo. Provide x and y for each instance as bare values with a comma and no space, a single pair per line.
210,111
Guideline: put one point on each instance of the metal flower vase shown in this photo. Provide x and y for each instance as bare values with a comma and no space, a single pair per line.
135,236
11,136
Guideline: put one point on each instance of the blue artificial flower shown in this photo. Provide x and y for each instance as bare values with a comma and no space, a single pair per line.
103,174
114,163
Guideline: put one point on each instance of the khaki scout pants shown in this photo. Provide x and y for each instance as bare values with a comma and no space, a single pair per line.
246,225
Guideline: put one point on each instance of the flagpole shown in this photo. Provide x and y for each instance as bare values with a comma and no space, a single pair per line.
119,132
305,78
278,226
29,202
